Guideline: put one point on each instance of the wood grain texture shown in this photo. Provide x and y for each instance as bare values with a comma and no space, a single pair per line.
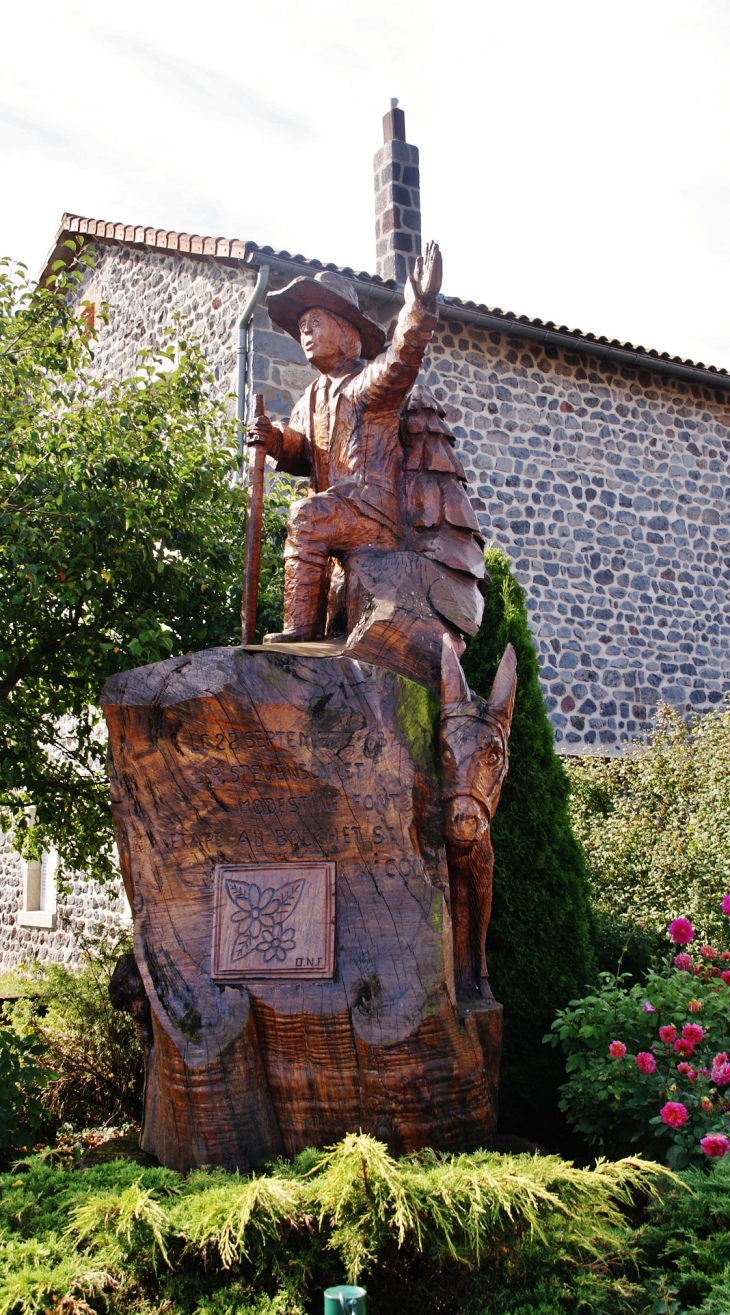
474,754
243,756
392,618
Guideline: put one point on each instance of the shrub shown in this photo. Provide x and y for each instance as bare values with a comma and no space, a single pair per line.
475,1233
685,1241
91,1047
655,824
22,1077
648,1065
623,946
539,947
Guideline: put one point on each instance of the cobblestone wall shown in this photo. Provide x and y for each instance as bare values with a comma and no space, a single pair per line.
608,487
86,912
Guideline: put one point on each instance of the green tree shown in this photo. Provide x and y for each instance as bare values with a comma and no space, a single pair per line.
120,544
655,824
539,944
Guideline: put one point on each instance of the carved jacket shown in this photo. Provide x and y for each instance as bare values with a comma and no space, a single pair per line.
361,411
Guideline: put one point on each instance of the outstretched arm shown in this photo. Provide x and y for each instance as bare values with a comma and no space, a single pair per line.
385,382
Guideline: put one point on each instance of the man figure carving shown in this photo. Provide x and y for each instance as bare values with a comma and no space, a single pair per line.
343,432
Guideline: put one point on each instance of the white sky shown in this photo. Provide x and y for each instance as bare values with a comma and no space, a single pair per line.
575,155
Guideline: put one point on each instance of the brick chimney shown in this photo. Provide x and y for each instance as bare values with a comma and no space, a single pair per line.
397,200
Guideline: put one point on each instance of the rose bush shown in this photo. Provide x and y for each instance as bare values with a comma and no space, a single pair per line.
649,1065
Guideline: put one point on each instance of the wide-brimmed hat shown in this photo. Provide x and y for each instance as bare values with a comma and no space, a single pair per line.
332,292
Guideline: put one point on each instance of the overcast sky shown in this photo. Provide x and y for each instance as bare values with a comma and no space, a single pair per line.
575,155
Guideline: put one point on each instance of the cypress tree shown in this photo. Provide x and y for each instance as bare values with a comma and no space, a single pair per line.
539,943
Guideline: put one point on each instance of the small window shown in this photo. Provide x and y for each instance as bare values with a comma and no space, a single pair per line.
39,891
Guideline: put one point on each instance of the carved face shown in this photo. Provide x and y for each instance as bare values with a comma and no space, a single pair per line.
327,341
474,762
474,738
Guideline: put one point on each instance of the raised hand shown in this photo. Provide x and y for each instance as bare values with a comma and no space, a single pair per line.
427,275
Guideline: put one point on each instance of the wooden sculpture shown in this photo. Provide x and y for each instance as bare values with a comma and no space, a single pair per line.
303,830
474,762
343,433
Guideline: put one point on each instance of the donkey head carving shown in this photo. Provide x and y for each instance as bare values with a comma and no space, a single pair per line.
474,745
474,759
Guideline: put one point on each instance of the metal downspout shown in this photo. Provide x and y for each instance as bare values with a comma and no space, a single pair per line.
242,376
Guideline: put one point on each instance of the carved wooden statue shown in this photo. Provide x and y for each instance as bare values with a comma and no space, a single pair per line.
344,431
306,853
474,762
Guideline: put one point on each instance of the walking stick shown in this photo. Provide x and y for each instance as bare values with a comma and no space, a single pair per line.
254,520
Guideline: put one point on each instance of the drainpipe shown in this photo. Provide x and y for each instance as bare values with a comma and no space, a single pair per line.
243,327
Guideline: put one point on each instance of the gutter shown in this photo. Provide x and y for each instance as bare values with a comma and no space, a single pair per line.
242,374
392,298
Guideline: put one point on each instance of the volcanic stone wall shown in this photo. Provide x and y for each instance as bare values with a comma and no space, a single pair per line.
84,914
608,487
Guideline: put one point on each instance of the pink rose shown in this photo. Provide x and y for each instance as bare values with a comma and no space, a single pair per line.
684,1048
693,1032
681,931
683,962
721,1070
617,1050
725,906
668,1033
687,1071
725,977
674,1114
708,952
725,954
645,1061
715,1144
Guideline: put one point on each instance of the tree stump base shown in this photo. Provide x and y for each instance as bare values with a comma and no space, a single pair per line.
280,830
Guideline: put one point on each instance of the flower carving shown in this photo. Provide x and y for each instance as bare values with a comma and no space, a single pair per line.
260,919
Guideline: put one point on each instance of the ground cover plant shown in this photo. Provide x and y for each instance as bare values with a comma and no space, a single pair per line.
479,1232
539,947
655,824
648,1064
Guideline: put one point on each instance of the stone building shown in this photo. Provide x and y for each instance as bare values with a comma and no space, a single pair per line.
600,468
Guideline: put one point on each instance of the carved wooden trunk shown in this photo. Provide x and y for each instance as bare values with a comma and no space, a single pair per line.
279,823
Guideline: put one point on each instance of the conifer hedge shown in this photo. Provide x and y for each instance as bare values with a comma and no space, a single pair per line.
539,944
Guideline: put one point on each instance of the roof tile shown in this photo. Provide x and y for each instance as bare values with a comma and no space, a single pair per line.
235,249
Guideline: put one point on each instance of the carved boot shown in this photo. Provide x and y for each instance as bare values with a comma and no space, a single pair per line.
304,579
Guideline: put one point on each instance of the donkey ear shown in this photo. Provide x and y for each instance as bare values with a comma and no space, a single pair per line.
454,688
502,697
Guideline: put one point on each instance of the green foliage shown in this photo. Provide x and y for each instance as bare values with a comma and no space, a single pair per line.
686,1241
474,1233
98,1072
655,824
630,948
22,1076
538,949
120,544
611,1101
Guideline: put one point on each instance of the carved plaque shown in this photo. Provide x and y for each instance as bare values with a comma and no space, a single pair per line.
273,920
